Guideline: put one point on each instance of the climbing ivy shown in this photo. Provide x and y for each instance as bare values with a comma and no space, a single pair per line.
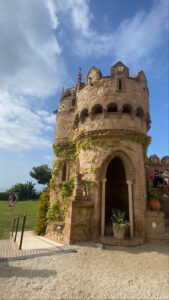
65,151
89,140
53,212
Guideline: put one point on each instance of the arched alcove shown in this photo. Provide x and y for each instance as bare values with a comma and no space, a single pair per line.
116,196
84,114
127,109
97,109
140,112
112,107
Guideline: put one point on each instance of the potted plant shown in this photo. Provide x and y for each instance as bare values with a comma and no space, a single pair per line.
119,224
154,202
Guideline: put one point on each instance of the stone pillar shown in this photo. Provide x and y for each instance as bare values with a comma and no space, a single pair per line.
96,216
103,207
129,183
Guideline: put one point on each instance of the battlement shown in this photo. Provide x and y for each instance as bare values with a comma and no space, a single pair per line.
105,102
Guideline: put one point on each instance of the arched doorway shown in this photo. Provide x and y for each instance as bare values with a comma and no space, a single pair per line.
116,193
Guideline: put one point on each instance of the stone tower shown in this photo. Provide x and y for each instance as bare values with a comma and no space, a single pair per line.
101,135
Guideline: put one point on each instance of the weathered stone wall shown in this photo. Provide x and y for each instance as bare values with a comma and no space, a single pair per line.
154,222
78,224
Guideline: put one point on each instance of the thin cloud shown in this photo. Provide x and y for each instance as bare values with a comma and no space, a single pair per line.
30,54
21,128
133,41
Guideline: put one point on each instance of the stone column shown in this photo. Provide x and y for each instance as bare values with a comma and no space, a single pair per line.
129,183
96,216
103,207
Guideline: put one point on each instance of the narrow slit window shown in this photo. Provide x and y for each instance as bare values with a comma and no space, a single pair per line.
120,85
64,169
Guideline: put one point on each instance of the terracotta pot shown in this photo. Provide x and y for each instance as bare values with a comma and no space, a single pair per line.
119,232
154,204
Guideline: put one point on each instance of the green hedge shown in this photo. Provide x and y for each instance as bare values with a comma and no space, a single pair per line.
4,196
42,208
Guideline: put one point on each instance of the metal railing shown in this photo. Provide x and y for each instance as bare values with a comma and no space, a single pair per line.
16,221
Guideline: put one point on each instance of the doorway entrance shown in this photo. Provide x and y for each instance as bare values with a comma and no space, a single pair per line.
116,192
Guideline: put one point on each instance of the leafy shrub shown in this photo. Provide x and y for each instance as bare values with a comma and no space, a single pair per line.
53,213
4,196
24,190
42,209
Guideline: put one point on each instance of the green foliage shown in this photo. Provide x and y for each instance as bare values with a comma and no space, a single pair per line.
118,218
66,189
53,212
42,209
53,185
4,196
24,190
42,174
90,140
65,151
154,196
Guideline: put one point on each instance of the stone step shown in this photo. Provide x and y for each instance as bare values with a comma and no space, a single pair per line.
159,238
111,241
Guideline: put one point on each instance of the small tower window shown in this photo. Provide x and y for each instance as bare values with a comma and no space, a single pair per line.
120,85
140,112
127,109
84,114
73,102
97,109
64,169
76,122
112,107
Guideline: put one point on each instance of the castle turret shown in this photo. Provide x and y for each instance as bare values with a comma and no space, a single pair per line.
111,118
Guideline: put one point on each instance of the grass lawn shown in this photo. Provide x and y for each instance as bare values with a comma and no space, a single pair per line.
22,207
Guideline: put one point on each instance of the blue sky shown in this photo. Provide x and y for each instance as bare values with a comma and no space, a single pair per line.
43,43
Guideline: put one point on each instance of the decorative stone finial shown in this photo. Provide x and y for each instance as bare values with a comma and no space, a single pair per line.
62,91
79,76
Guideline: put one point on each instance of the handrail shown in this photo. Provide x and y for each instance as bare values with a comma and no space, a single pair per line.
16,229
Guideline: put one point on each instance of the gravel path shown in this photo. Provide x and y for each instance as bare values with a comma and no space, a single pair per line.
92,273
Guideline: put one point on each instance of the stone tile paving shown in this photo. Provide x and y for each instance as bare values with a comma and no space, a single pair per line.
9,251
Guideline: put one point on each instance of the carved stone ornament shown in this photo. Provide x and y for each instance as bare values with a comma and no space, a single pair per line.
63,106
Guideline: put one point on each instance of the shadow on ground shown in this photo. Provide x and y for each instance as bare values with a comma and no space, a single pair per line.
7,271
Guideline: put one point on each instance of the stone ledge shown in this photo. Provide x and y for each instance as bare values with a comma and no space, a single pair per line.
111,241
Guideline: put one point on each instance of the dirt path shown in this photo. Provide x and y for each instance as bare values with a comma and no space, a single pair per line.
91,273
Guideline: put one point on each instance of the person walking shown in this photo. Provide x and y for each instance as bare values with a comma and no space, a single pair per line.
13,202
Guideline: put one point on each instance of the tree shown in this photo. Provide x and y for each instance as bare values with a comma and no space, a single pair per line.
42,174
24,190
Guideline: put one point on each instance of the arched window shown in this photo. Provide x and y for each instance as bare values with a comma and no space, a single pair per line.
97,109
73,102
84,114
140,112
76,122
64,169
112,107
127,109
120,85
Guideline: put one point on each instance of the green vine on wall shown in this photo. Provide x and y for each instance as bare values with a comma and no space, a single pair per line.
89,140
65,151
